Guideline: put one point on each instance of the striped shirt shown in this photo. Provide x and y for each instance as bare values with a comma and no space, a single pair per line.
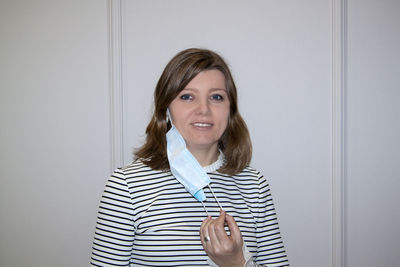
147,218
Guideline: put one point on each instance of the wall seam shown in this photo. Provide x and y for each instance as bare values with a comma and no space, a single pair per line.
115,33
338,128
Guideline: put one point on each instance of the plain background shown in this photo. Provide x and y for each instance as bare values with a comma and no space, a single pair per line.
55,136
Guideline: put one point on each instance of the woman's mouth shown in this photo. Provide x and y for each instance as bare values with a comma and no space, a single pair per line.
202,124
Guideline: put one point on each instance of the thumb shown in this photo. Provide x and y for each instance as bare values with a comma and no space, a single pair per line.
221,218
236,235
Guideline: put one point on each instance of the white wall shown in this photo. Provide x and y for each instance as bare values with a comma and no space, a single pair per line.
280,54
372,134
54,136
55,100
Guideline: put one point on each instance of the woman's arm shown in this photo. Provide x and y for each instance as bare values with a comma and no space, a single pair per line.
270,247
114,235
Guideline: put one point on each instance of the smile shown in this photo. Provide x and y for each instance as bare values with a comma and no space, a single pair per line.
200,124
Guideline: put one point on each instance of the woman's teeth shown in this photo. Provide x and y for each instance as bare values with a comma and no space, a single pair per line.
197,124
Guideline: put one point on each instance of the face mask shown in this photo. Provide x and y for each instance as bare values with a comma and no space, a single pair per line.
184,166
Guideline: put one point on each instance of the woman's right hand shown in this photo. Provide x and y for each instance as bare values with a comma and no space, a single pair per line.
223,249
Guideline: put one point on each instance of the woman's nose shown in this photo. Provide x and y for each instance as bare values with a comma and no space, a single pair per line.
203,106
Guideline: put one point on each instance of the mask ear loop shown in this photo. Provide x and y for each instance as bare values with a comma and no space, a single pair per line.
204,207
219,204
212,192
168,117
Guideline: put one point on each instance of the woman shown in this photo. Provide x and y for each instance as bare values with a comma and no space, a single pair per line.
190,198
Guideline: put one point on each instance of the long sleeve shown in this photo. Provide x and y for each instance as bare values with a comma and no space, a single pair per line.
115,232
270,248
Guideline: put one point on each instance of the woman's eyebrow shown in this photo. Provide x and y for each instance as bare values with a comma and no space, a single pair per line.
190,89
218,89
211,89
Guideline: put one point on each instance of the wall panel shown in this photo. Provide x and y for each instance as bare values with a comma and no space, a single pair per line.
54,137
372,134
281,58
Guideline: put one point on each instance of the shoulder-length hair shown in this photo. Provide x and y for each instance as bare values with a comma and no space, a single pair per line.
235,141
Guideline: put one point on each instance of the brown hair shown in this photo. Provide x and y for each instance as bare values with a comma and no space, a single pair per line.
235,141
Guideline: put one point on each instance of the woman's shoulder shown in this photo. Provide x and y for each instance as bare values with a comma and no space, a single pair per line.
247,176
135,166
138,170
249,171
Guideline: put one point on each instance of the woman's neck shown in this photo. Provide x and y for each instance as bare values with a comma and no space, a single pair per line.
205,156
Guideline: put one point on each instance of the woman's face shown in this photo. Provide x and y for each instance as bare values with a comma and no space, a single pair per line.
200,111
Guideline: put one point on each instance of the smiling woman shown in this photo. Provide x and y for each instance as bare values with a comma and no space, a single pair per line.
200,112
183,69
161,210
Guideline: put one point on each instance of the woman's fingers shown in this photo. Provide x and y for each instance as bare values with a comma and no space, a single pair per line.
204,234
223,249
217,231
236,235
218,227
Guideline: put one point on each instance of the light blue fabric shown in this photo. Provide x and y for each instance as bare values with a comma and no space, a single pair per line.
184,165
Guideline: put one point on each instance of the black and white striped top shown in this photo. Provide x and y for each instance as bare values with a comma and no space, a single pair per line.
147,218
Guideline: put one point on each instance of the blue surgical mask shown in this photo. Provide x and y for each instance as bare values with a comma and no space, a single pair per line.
184,165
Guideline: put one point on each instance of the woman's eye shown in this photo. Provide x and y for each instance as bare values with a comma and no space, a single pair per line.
186,97
217,97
